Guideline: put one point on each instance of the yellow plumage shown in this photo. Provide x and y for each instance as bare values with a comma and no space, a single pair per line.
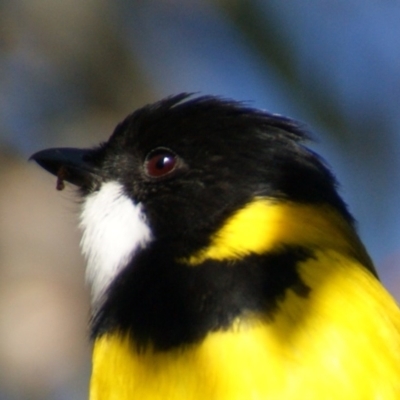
312,349
264,225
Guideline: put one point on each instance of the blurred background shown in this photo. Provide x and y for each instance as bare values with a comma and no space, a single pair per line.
71,70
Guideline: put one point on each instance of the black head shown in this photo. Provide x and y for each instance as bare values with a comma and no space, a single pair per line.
192,162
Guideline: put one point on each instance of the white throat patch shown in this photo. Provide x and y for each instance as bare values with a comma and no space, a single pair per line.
114,229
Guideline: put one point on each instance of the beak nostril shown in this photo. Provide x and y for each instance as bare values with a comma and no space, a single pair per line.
87,158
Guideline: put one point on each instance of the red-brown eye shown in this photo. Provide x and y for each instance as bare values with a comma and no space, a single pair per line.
160,162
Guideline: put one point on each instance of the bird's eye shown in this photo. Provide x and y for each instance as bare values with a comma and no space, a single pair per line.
160,162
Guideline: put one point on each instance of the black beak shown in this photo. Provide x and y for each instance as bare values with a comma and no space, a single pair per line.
71,165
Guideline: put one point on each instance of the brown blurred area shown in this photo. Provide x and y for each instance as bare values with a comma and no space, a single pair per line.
44,304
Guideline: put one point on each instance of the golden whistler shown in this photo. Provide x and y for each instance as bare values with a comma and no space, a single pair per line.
223,263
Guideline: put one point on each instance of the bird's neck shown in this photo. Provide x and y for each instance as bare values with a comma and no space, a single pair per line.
265,225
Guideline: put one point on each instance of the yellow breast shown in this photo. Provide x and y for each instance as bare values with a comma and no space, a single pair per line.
343,341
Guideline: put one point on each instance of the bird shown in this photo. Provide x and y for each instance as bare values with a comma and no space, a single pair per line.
223,262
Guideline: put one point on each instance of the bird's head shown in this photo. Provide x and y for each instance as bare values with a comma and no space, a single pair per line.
174,172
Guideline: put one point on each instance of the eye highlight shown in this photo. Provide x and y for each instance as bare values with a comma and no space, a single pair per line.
160,162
